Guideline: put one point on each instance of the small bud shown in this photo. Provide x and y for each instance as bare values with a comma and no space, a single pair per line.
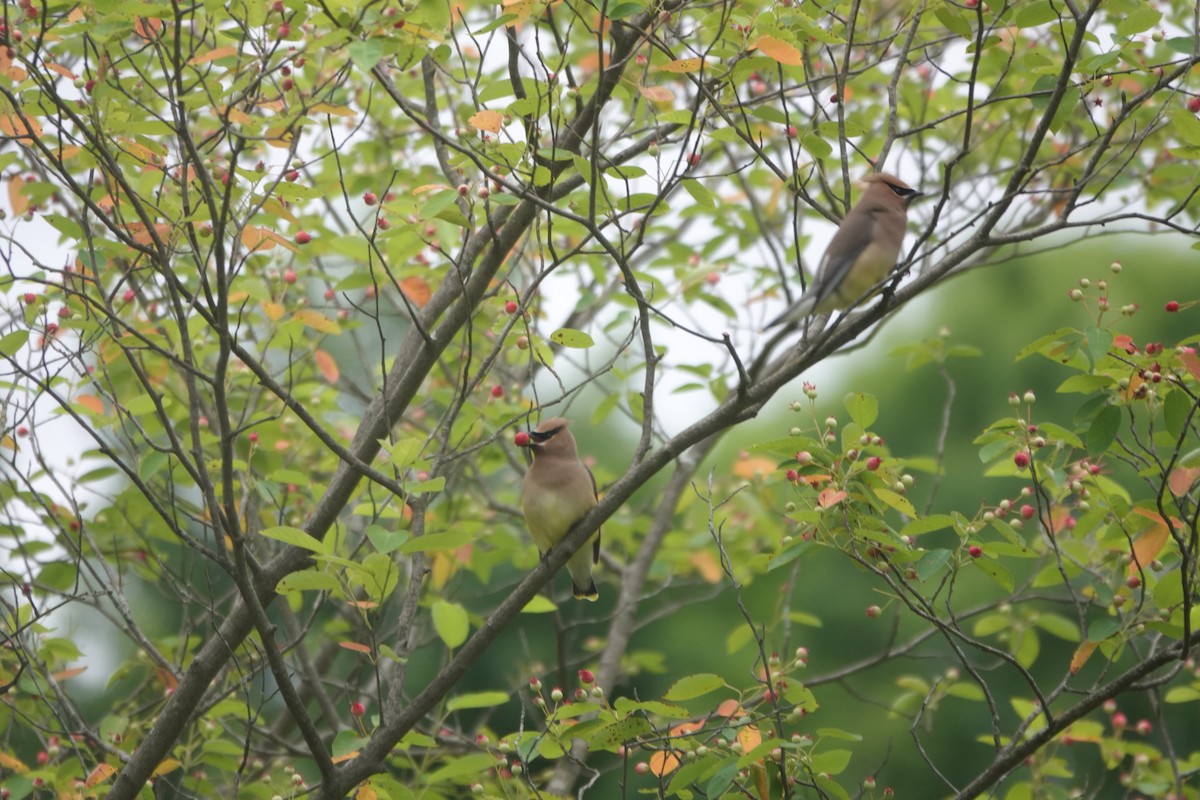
874,611
1029,397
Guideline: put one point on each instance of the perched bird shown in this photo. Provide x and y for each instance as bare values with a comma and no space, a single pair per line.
559,489
862,252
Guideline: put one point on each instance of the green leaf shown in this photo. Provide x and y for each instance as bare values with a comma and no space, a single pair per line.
863,408
1140,19
476,700
996,571
1032,14
1101,629
450,540
540,604
1103,430
294,537
1060,626
307,580
461,767
451,622
932,563
699,193
694,686
934,522
384,540
13,342
569,337
831,762
1085,384
366,53
1176,408
896,501
610,737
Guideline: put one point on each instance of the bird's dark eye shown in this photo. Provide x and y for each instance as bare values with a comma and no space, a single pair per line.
541,437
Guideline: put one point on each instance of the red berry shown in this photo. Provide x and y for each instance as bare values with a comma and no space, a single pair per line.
253,438
1173,305
693,159
975,550
330,294
1021,459
128,296
284,30
792,475
63,312
873,463
303,238
497,391
52,328
22,431
587,677
370,198
791,131
30,298
277,6
1193,105
287,84
510,307
292,176
1133,582
521,439
357,709
289,275
1119,720
1027,512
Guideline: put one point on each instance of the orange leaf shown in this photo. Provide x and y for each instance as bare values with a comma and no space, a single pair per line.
168,680
663,762
326,365
367,604
1082,654
20,128
65,674
148,28
16,198
706,565
730,709
753,467
1192,362
1182,479
830,497
100,774
783,52
684,728
681,65
657,94
214,54
345,757
365,792
1125,342
749,737
417,290
255,238
356,647
1147,546
486,120
91,403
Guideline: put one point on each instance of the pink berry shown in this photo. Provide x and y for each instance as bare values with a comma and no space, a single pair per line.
1021,459
253,438
510,307
357,709
128,296
1027,511
330,294
370,198
303,238
873,463
22,431
30,298
521,439
792,476
289,275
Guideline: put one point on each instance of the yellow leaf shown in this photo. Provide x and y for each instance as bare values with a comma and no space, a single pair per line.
273,310
681,65
663,762
317,320
431,187
277,209
280,136
12,763
91,403
16,198
214,54
326,365
99,774
1082,654
783,52
657,94
486,120
255,238
166,767
749,737
8,443
336,111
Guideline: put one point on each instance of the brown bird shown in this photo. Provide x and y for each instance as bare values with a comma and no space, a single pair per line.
559,489
862,252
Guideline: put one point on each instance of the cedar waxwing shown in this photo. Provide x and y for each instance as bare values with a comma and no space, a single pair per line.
862,252
559,489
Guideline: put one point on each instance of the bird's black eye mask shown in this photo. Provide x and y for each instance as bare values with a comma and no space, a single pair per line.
541,437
